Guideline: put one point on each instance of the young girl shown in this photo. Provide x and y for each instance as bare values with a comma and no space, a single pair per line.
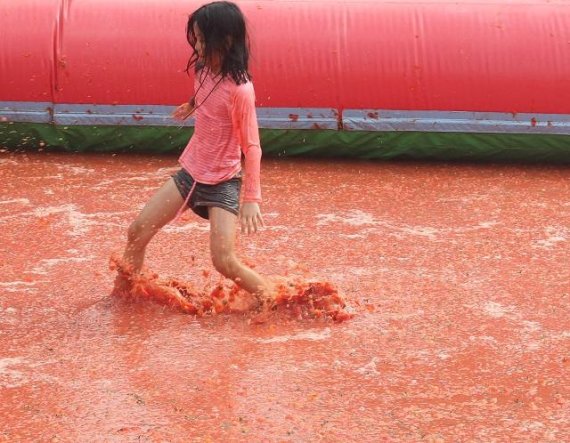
226,125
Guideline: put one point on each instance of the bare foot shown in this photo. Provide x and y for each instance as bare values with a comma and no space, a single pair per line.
260,318
243,302
122,285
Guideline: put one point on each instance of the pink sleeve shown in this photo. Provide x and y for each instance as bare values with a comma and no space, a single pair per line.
245,124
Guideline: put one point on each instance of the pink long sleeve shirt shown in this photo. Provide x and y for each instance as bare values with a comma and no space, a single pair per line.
225,126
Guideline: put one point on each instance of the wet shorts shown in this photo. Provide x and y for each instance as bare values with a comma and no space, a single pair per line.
223,195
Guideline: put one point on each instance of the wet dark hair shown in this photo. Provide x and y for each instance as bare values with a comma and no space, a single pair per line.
223,26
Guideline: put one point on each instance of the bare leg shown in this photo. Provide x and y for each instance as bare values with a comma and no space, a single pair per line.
222,246
161,208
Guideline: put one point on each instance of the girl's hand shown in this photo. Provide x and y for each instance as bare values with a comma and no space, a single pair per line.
250,218
182,112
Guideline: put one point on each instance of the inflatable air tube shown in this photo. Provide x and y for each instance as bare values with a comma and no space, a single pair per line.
486,79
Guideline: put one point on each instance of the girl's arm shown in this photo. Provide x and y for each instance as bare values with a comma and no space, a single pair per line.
245,122
182,112
185,110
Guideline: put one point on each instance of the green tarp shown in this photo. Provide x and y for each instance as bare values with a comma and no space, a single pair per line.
314,143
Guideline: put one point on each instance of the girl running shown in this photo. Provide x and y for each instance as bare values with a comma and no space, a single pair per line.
210,177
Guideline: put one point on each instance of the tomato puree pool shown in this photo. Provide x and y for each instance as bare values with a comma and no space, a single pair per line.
456,278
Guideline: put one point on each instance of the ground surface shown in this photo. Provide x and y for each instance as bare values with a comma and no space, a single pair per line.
466,336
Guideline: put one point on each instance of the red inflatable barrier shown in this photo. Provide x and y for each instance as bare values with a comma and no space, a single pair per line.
500,56
27,31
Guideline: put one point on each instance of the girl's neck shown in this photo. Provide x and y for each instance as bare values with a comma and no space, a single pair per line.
215,67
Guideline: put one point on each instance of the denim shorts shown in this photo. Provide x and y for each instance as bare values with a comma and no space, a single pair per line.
224,195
